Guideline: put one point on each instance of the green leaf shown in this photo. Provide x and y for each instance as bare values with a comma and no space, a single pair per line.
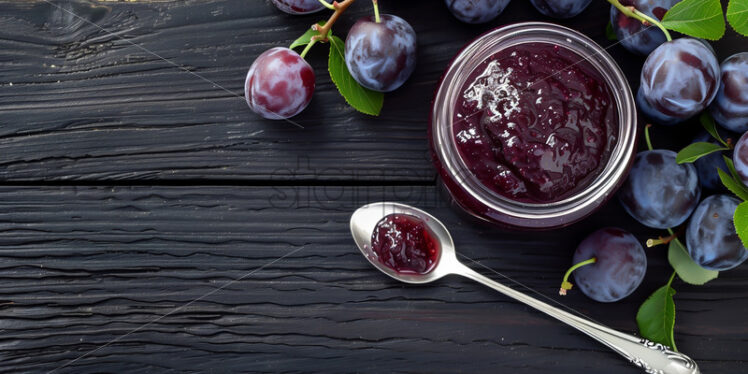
609,33
731,167
740,189
697,18
656,316
686,268
360,98
708,123
737,15
733,185
695,151
307,37
741,222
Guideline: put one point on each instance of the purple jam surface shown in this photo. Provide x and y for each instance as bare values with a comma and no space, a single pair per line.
535,123
403,243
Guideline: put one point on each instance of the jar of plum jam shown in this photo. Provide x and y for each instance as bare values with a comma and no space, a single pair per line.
533,126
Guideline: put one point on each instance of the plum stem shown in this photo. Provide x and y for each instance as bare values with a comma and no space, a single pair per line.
376,11
565,284
660,240
632,12
327,5
646,136
324,31
307,48
670,282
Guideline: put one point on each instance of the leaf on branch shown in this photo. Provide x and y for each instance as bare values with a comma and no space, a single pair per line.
696,151
737,15
741,222
732,181
697,18
656,317
734,186
307,37
689,271
707,122
360,98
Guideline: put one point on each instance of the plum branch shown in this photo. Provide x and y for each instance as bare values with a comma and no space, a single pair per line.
324,31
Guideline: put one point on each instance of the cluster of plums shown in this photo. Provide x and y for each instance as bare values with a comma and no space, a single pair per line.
679,79
379,55
682,77
660,193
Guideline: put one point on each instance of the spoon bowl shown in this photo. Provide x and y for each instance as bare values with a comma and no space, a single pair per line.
649,356
365,219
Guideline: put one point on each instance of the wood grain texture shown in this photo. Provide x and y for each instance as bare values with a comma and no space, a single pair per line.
94,102
83,266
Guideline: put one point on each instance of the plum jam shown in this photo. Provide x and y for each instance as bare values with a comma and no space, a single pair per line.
535,122
403,243
533,126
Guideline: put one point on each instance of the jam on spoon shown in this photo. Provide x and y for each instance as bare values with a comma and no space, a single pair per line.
535,122
403,243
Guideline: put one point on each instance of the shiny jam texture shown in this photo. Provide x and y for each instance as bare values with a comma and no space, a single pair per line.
535,123
403,243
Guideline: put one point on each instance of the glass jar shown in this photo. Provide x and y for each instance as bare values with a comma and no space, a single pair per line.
480,201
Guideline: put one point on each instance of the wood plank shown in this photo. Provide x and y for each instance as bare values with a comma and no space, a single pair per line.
81,103
81,266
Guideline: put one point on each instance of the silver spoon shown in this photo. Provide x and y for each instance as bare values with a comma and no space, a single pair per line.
651,357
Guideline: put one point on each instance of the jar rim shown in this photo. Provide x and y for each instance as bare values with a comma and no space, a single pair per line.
524,214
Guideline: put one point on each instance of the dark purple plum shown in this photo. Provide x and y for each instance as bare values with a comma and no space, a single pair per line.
299,6
740,157
381,56
632,34
711,238
619,269
476,11
707,166
560,8
678,80
279,84
660,193
730,107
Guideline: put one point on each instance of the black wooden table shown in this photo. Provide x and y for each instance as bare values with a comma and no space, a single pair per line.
149,222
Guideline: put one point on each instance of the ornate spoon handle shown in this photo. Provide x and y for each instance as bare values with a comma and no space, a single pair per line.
653,358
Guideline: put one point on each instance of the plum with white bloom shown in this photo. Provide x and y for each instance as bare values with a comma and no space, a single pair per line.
279,84
560,8
476,11
712,240
659,192
679,79
740,156
381,56
730,107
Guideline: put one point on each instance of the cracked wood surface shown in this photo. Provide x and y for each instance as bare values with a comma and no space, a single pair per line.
130,188
81,266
